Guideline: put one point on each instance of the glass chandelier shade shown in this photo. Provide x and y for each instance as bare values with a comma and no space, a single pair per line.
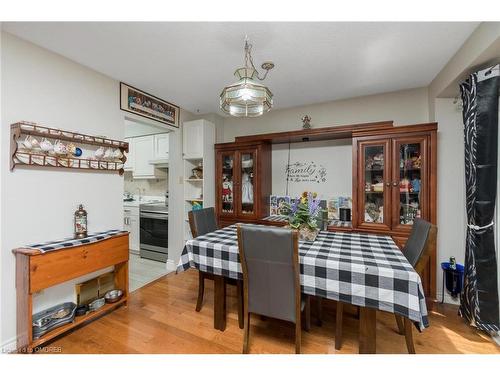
247,97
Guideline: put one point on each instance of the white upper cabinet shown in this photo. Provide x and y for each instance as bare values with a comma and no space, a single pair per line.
192,139
146,155
161,146
129,163
144,152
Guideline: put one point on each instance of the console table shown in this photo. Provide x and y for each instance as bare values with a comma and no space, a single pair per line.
37,269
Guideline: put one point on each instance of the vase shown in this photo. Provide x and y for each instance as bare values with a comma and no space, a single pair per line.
307,234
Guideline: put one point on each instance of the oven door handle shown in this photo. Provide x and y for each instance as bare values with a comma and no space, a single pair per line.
148,215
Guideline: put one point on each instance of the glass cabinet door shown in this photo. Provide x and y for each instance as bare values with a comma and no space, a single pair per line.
246,182
375,191
226,192
408,189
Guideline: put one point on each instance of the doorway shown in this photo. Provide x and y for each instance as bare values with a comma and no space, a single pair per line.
146,201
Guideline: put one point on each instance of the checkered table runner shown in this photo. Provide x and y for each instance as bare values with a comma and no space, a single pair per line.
72,242
356,268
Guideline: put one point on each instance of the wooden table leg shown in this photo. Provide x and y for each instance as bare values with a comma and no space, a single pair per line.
219,303
367,331
408,326
319,311
338,325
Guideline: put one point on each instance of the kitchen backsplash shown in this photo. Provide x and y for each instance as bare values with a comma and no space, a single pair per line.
156,187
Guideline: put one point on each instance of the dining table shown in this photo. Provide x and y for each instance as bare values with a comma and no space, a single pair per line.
361,269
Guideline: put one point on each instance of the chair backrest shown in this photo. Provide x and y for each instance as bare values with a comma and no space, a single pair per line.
422,237
202,221
322,220
269,259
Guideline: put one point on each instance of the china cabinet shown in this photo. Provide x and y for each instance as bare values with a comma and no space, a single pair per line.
394,179
394,182
243,181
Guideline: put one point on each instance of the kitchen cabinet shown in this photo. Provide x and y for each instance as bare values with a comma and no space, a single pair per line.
243,181
144,152
132,225
129,163
160,146
192,139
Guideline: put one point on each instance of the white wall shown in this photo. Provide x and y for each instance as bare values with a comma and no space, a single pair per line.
404,107
135,128
37,205
334,155
451,219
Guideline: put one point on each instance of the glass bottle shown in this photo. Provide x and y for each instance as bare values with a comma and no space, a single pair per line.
80,222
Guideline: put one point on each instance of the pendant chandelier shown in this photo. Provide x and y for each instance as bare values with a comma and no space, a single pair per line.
247,97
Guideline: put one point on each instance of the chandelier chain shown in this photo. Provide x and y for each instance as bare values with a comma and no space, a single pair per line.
248,58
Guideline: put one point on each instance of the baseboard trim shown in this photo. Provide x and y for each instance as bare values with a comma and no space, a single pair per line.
447,298
9,346
496,338
171,266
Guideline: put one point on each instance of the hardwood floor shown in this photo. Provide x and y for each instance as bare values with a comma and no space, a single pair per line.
161,318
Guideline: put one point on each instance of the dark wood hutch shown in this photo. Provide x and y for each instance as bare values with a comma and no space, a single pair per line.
394,179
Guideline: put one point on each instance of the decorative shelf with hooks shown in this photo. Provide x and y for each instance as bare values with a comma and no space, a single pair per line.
35,157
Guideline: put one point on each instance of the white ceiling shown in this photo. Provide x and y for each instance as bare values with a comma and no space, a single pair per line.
189,63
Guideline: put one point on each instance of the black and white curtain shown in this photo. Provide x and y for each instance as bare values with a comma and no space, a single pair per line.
479,299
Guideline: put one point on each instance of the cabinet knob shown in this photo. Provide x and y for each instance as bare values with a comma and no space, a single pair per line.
395,183
388,184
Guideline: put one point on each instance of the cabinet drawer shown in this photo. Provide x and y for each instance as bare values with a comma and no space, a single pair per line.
60,265
130,211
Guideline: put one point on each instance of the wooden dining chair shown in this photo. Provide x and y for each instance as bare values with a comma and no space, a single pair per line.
417,250
269,259
202,222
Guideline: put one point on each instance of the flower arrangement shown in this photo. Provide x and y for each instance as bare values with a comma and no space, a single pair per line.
303,214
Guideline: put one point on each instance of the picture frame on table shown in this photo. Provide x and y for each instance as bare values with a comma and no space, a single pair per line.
140,103
282,202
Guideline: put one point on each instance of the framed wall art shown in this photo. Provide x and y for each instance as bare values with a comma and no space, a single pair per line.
149,106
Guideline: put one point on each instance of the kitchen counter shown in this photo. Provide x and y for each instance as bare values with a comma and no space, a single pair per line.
147,199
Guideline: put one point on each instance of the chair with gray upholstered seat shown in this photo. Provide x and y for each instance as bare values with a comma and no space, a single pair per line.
417,250
269,259
202,222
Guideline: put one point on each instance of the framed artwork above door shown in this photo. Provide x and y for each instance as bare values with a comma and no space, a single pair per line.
149,106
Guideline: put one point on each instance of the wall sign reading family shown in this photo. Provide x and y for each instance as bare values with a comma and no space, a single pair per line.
306,172
146,105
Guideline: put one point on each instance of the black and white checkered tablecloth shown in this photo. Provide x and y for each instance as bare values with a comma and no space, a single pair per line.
356,268
72,242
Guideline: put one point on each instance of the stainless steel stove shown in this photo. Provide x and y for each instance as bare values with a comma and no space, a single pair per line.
154,231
